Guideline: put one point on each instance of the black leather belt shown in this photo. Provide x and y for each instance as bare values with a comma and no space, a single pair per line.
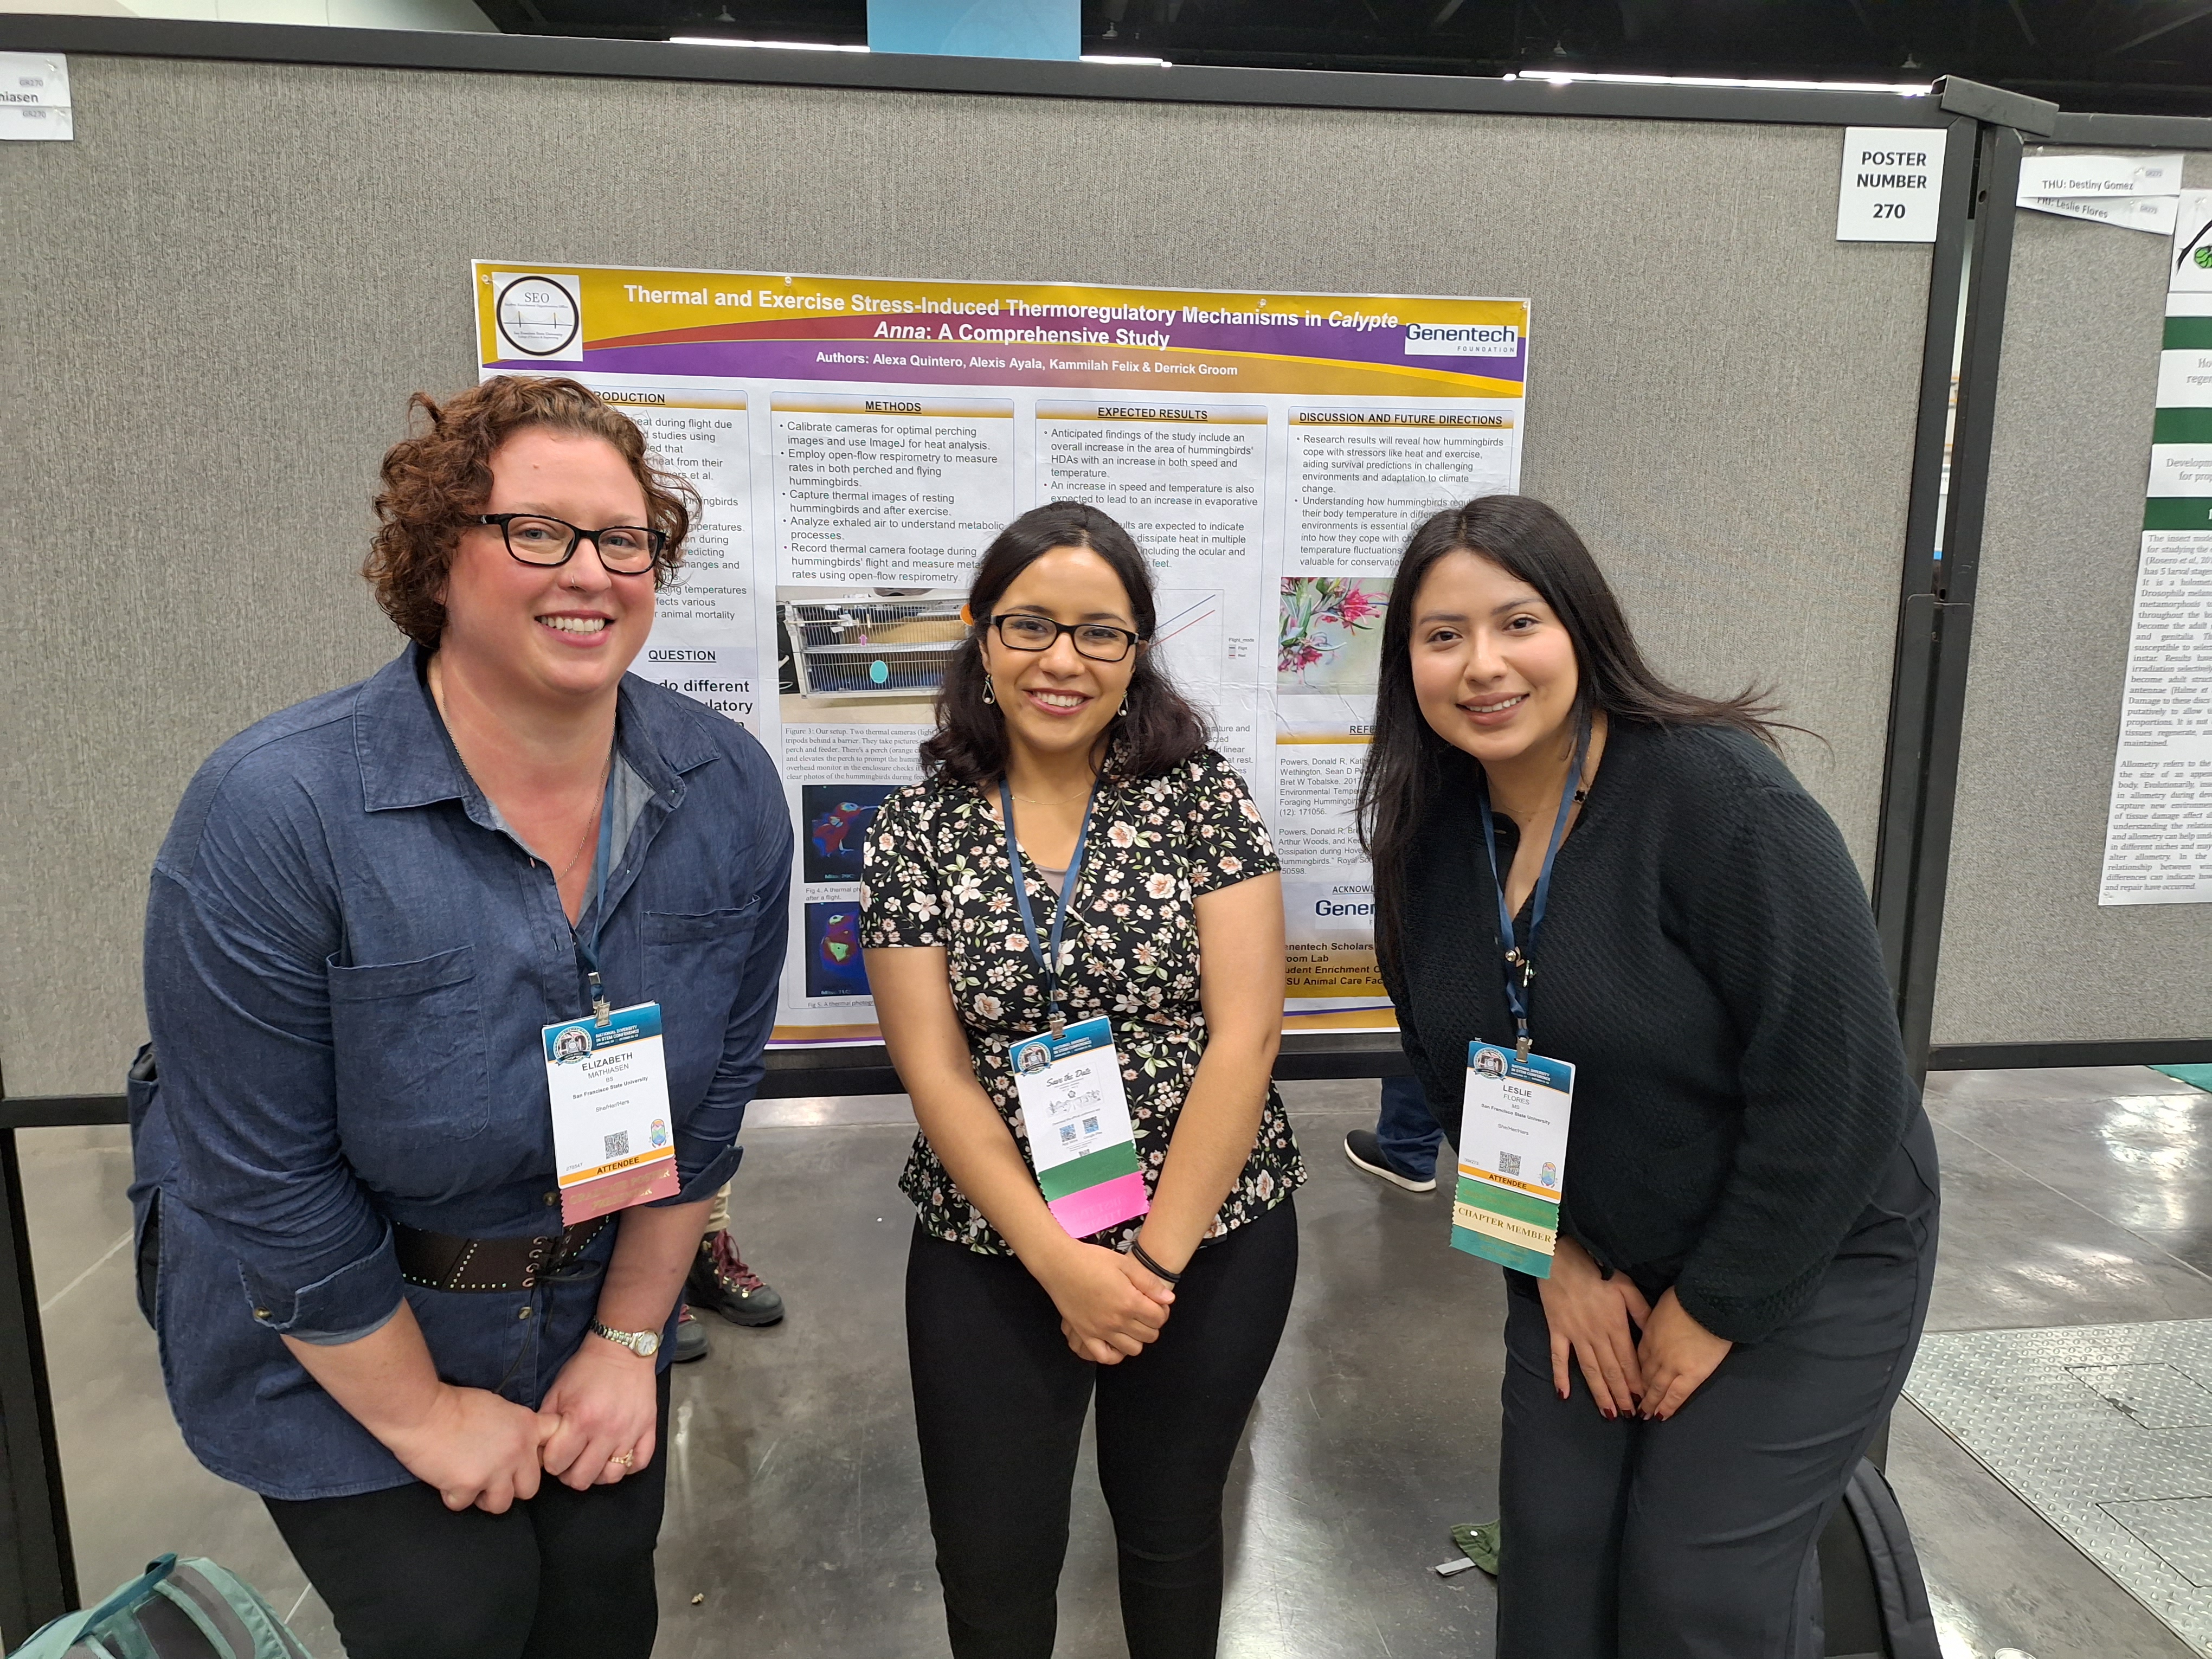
441,1261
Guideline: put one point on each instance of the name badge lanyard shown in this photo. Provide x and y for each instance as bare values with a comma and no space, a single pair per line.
1048,958
1520,964
587,940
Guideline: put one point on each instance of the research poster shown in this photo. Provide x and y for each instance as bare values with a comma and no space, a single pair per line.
858,442
2158,834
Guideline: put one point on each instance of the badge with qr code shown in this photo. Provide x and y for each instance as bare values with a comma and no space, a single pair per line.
1512,1147
609,1087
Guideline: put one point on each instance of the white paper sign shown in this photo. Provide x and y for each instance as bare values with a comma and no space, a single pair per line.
2098,175
35,96
35,121
1893,182
2153,214
33,80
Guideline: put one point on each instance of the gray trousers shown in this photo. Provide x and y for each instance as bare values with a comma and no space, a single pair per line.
1694,1538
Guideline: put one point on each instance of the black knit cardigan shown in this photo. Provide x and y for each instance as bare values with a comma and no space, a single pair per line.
1708,961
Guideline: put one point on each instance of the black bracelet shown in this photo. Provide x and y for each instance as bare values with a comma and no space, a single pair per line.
1152,1266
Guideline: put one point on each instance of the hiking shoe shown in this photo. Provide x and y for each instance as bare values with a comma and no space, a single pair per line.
1364,1150
690,1339
720,1282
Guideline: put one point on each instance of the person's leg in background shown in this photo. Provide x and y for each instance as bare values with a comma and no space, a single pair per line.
720,1282
1401,1148
690,1342
1168,1423
999,1404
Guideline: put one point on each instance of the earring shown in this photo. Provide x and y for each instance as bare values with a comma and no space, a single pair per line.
987,697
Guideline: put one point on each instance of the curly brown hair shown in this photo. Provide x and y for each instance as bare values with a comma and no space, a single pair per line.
438,479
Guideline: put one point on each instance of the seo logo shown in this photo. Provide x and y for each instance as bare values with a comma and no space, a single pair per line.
539,317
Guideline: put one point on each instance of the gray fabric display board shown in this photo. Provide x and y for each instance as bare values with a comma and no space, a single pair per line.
228,283
2028,955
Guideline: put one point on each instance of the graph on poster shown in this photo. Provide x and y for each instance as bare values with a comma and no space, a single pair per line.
857,442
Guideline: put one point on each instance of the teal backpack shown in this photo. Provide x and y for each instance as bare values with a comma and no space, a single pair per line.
190,1609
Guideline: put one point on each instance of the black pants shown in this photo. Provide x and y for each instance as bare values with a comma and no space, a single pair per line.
1693,1538
567,1575
999,1401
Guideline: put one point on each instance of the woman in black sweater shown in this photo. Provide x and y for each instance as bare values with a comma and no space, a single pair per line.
1746,1215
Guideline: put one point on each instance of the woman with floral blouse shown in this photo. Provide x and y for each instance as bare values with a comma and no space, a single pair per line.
1055,715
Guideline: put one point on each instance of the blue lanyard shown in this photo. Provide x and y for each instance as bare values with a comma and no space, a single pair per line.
1520,964
1048,958
587,943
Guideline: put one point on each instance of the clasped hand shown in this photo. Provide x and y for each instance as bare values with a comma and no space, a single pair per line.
1110,1305
483,1451
1591,1317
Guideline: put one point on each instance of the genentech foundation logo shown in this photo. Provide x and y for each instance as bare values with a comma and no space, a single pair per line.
1463,340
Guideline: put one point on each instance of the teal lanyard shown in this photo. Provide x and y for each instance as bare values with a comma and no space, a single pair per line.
1048,958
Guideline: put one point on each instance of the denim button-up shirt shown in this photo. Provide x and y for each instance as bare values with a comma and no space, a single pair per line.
348,961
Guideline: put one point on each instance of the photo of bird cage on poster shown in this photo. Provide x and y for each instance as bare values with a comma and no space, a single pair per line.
870,644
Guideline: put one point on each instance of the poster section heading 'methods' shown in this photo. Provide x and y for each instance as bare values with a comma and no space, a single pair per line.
858,442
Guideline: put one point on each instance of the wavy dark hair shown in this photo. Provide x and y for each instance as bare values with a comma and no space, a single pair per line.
1157,730
1405,763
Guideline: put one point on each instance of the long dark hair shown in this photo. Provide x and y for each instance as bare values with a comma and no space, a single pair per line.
1156,729
1406,762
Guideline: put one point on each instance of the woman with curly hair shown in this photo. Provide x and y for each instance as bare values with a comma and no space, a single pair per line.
371,919
1104,1171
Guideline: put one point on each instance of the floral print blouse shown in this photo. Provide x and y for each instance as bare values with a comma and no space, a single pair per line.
936,874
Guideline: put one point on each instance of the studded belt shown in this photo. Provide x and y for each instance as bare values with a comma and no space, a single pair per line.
441,1262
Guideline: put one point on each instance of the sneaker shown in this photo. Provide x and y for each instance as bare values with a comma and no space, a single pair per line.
720,1282
690,1339
1364,1150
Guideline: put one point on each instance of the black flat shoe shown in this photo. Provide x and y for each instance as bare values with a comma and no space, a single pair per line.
1366,1153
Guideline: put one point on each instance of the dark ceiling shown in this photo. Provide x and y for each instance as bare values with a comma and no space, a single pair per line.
2145,55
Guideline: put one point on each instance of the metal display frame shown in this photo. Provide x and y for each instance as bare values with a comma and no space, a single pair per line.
1935,608
1964,336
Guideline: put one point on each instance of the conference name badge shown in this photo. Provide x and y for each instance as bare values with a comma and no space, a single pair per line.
1081,1144
1513,1157
609,1081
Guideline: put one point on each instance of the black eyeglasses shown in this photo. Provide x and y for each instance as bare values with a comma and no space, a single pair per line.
1021,630
626,550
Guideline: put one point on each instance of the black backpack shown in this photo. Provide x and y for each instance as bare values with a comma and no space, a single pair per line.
1874,1602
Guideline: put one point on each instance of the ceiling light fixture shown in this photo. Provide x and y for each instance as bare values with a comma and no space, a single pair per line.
1563,77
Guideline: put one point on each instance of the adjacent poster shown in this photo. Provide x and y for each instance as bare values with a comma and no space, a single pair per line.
859,441
2158,835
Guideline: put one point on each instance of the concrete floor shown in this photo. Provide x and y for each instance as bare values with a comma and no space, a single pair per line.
795,1506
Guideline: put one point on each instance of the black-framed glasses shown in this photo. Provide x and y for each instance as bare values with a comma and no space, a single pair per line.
1023,630
626,550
